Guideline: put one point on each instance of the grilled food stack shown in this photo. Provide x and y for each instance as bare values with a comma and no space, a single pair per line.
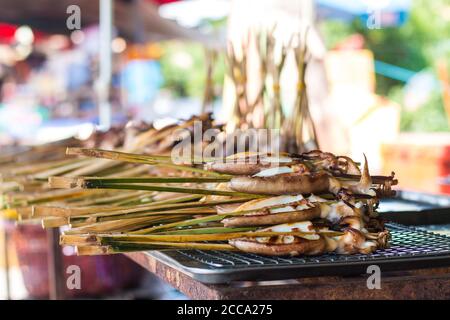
314,192
289,204
24,173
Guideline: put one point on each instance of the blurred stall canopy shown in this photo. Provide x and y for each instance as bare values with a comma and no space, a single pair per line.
389,12
136,20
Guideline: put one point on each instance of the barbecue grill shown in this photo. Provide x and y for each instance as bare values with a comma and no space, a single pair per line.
411,248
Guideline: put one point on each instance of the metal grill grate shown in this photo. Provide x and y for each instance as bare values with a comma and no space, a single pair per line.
406,242
410,248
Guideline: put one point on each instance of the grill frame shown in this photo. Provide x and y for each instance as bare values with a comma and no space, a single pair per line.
411,248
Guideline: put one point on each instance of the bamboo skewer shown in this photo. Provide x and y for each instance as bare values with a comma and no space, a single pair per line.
119,225
156,160
189,212
109,239
75,164
76,221
210,237
40,211
34,168
135,246
167,207
206,230
197,221
117,155
115,199
65,182
60,182
211,176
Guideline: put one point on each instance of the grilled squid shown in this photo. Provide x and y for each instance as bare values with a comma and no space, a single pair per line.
274,210
284,245
285,183
271,182
311,172
354,241
290,209
302,212
328,161
290,177
249,163
294,213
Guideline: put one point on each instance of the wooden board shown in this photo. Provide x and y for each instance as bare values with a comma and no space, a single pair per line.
416,284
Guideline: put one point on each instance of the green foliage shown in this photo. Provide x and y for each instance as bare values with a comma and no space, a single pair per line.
429,117
418,44
182,66
335,31
415,45
184,69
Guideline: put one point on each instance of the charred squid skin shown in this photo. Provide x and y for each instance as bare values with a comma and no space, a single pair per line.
301,247
354,241
237,168
382,238
282,184
273,218
347,166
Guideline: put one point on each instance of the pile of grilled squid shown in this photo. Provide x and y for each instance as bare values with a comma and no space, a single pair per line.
277,205
316,193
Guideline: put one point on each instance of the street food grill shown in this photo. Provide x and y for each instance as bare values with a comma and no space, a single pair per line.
285,205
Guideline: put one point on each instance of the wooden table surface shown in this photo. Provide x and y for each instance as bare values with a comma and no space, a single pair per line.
413,284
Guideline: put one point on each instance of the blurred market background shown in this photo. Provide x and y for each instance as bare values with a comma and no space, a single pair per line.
378,80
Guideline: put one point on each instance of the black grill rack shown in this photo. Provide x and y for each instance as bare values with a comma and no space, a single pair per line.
410,248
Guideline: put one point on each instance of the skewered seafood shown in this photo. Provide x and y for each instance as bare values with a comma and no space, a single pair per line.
289,204
251,163
294,177
286,174
294,213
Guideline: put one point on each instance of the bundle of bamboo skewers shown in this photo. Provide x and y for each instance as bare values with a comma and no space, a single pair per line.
289,204
24,173
267,110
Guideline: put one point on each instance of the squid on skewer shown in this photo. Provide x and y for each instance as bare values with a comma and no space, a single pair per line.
284,245
247,163
296,213
288,204
301,175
